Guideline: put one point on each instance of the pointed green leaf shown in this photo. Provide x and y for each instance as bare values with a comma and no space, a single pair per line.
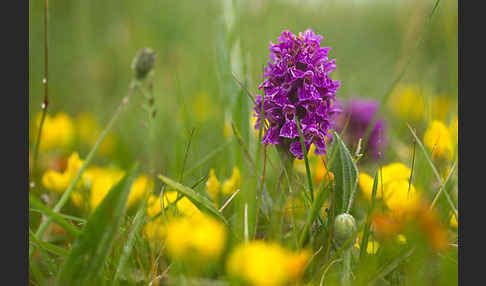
89,252
200,201
37,204
345,175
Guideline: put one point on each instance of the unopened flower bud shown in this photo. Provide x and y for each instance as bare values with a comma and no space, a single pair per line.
344,228
143,63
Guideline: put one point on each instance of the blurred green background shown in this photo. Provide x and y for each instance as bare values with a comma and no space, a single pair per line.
198,44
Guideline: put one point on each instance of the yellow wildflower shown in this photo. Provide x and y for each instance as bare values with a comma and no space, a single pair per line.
401,239
320,171
57,132
371,247
453,220
253,120
213,186
261,263
397,194
184,206
153,206
101,180
233,183
407,102
438,140
155,230
454,129
140,186
57,181
440,107
78,200
198,237
89,131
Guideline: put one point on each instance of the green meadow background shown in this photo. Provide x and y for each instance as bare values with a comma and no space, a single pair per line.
92,44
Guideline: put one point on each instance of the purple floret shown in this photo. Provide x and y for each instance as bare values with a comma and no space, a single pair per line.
297,85
359,113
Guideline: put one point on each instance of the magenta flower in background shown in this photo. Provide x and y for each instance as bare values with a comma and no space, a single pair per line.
297,84
360,113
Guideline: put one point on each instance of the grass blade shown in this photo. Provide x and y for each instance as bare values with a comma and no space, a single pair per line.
127,249
434,169
307,169
317,203
200,201
88,254
37,204
47,246
366,231
386,269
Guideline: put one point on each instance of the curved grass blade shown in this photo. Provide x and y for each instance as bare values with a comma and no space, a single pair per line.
90,250
306,161
137,224
434,169
200,201
47,246
321,196
366,231
389,267
39,206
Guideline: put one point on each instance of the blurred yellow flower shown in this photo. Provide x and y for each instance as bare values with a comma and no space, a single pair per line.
316,165
401,239
155,230
153,206
440,106
232,184
453,220
100,181
372,246
407,102
201,238
78,200
454,130
57,132
262,263
253,121
183,206
57,181
396,194
213,186
88,131
140,187
438,140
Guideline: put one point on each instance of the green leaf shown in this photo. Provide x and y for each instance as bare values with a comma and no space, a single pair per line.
89,252
37,204
137,224
47,246
345,176
200,201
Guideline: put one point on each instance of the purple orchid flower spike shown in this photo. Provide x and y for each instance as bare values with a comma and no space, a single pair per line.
297,84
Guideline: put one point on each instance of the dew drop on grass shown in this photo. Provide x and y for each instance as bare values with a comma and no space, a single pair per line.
44,80
43,105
